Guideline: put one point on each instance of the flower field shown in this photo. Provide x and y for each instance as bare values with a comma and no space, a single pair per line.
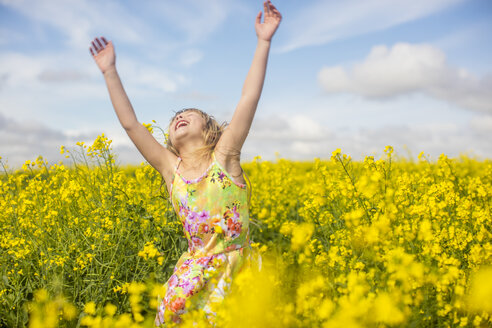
378,243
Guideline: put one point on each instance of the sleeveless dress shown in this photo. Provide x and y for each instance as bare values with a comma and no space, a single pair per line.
214,211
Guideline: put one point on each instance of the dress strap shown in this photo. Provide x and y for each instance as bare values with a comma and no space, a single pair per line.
172,179
177,164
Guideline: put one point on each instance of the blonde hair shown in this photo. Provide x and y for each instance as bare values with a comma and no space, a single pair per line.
211,133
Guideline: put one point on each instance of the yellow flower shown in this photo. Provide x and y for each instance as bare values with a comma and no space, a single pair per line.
110,309
149,251
41,295
386,311
148,126
301,234
479,297
136,288
326,308
90,308
69,311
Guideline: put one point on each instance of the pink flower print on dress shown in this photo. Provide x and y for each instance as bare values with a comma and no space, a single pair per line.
170,292
218,177
187,228
204,228
203,216
189,224
183,206
194,220
203,222
234,225
177,305
159,318
203,261
196,242
188,287
173,281
183,268
196,283
234,228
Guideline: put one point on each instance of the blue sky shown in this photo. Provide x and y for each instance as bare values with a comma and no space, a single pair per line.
355,75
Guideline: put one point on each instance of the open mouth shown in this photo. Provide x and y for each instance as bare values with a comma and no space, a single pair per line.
181,123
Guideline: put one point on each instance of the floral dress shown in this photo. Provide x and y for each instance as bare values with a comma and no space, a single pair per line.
215,216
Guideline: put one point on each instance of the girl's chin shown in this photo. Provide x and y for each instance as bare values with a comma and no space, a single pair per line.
183,137
180,131
178,135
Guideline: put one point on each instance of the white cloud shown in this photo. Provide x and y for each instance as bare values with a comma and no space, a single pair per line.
34,70
191,57
196,19
59,75
146,78
195,96
9,35
79,21
482,125
326,21
27,139
407,68
76,82
287,129
290,138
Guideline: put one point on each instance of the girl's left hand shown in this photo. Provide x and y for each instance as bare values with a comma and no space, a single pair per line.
271,21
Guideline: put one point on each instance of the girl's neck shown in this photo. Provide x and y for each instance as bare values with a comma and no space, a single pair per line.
194,160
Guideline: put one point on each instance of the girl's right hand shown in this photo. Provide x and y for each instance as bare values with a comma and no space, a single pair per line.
105,57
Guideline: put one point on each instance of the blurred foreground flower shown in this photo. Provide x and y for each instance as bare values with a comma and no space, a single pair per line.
479,297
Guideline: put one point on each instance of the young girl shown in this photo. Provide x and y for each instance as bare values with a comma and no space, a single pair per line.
202,171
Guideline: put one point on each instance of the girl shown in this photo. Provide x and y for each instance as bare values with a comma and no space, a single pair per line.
204,178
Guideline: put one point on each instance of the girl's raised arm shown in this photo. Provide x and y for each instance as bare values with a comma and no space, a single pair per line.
156,154
233,138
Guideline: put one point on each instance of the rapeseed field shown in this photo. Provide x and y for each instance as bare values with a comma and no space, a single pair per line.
378,243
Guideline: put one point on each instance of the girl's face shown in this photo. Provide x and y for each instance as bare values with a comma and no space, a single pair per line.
186,126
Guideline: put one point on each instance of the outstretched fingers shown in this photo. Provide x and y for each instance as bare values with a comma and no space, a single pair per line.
99,47
275,11
270,10
99,43
266,9
94,46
